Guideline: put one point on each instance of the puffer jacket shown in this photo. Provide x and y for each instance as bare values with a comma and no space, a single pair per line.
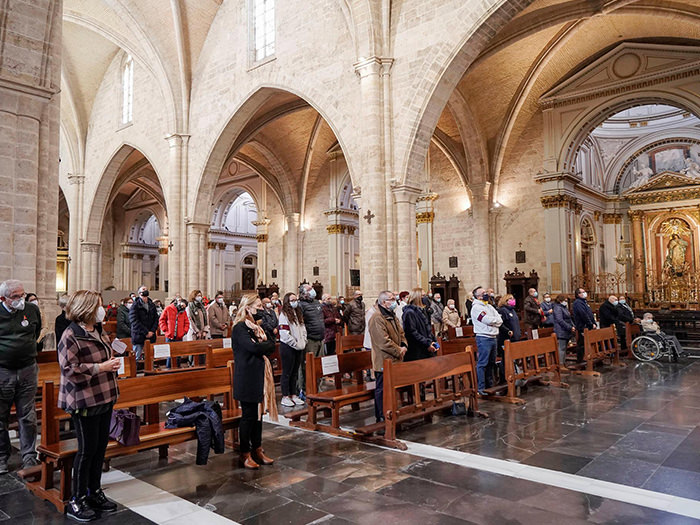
562,322
313,318
206,417
123,324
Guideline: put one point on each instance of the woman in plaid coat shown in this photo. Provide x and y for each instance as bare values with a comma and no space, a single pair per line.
88,391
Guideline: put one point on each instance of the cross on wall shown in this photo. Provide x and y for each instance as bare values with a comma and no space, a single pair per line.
369,216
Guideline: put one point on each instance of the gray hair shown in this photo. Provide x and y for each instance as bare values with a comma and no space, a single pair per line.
383,296
63,301
9,286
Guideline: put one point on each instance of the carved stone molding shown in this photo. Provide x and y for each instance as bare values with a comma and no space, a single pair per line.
635,215
612,218
76,179
425,217
559,201
596,215
261,237
351,229
163,251
212,245
333,229
427,197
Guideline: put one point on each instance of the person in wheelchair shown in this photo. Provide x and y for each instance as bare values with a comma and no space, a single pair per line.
652,329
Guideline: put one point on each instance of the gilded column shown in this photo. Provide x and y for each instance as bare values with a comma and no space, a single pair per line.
638,249
261,237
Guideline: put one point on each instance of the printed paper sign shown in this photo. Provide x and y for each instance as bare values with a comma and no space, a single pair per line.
329,365
122,368
118,346
459,332
535,334
227,342
161,351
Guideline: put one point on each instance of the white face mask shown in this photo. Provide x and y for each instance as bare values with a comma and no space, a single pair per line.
584,295
17,304
564,304
452,307
294,304
129,305
100,314
198,298
220,300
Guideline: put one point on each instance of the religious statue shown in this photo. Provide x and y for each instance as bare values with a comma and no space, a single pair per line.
675,260
641,177
692,169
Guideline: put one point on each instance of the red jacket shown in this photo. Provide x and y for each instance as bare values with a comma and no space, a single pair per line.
167,323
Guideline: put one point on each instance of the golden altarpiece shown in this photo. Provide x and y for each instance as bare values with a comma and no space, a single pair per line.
665,223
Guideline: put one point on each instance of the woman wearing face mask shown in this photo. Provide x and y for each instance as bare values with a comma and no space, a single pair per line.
419,337
123,324
547,310
450,316
292,343
563,325
88,391
253,382
509,330
197,314
42,342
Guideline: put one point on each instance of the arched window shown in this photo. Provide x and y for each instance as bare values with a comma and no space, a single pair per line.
263,30
127,90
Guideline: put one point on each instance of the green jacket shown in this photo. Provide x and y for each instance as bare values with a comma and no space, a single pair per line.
18,342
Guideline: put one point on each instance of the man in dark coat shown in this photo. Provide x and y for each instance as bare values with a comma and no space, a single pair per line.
354,315
533,312
315,328
269,317
608,312
143,318
583,318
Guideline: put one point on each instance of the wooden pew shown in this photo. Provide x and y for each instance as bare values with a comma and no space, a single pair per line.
338,397
466,331
542,333
109,327
349,343
529,360
632,331
57,455
177,349
598,345
452,378
453,346
47,356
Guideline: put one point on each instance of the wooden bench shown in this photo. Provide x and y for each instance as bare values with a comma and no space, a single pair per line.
449,378
463,332
338,397
453,346
349,343
542,333
529,360
47,356
598,345
109,327
632,331
178,349
57,455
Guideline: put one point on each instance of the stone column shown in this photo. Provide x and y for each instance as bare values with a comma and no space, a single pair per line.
638,266
30,65
425,214
176,200
138,270
406,251
74,251
373,206
212,259
196,256
336,255
291,279
91,265
163,264
261,236
126,271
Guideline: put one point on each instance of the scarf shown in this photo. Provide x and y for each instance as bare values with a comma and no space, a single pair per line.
269,404
200,321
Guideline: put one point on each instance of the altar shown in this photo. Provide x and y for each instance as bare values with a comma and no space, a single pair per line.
664,211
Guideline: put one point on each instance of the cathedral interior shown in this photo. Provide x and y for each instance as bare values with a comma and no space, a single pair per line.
238,147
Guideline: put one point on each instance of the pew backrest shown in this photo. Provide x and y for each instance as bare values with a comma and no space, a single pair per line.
454,346
465,331
542,333
47,356
632,331
600,343
349,343
152,353
347,364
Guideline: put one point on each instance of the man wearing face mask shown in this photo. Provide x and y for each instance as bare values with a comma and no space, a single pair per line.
583,318
315,328
219,318
608,312
143,318
487,321
270,319
436,316
123,324
625,314
354,315
20,326
533,312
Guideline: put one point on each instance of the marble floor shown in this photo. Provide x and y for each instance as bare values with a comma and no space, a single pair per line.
637,426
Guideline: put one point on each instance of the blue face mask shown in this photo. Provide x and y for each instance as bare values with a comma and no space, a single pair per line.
393,306
294,304
615,303
622,301
312,293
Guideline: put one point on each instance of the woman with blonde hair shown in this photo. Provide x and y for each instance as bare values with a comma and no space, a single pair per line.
197,315
419,335
253,382
88,391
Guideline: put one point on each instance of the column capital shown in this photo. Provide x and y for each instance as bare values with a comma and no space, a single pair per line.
612,218
561,200
87,246
177,139
261,237
425,217
333,229
427,197
635,215
76,178
262,222
404,193
373,65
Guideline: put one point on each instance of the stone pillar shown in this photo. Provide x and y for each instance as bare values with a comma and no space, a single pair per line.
176,198
261,236
406,249
425,214
138,270
196,255
638,266
373,206
76,218
91,265
484,223
212,259
126,271
163,264
30,66
291,278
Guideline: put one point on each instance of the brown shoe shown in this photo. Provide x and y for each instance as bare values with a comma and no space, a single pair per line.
248,462
261,458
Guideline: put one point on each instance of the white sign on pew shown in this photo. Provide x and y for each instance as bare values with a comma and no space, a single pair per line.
227,342
122,368
161,351
535,334
329,365
459,332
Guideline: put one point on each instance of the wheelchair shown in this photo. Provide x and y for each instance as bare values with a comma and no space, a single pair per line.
651,347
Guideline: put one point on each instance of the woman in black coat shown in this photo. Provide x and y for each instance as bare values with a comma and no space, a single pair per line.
419,336
251,346
509,330
563,325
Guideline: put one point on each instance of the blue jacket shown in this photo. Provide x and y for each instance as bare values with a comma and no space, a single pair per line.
583,315
419,336
206,416
511,323
143,318
548,321
562,322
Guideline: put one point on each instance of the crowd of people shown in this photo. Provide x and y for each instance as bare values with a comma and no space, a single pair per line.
401,326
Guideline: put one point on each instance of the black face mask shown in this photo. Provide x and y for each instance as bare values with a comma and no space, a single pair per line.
359,298
257,316
144,293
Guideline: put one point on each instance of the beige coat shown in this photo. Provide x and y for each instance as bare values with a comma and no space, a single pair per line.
218,316
450,318
386,335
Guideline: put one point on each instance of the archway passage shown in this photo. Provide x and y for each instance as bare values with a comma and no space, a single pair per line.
280,150
134,230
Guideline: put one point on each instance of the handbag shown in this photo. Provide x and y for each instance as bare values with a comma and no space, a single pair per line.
459,409
125,427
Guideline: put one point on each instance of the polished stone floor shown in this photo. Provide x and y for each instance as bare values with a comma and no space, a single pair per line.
635,426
